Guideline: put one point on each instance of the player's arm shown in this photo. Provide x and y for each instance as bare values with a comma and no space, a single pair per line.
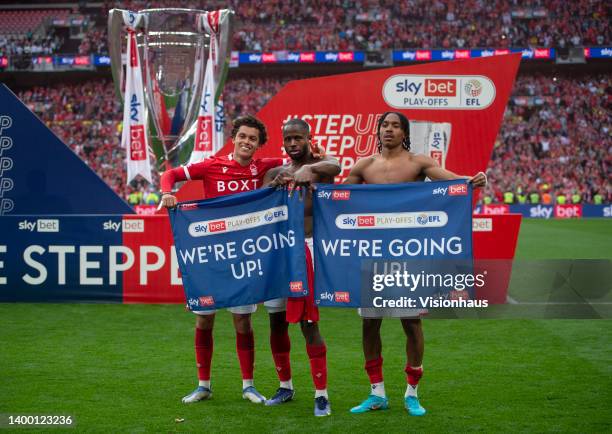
178,174
276,177
308,174
433,171
355,176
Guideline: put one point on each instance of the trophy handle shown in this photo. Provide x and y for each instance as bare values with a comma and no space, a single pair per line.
115,41
226,23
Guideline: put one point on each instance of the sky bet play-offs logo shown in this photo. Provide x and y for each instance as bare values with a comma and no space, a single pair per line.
419,219
239,222
442,92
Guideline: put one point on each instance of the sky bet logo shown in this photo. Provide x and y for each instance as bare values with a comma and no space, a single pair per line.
431,87
40,225
360,221
136,225
337,296
457,190
206,301
335,195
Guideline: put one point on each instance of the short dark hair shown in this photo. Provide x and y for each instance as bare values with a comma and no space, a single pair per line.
297,122
404,122
252,122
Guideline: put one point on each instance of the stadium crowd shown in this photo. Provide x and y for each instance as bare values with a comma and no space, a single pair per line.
270,25
554,140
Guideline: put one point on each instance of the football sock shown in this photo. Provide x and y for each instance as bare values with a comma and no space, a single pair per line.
378,389
322,392
247,383
245,347
413,375
287,384
318,365
375,373
204,383
204,352
281,348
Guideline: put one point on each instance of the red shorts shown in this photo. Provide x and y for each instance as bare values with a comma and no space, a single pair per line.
304,308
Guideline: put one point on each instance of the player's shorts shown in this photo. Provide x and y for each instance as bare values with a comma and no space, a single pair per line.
304,308
273,306
390,312
241,310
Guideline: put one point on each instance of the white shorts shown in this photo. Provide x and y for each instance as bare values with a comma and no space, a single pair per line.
241,310
390,312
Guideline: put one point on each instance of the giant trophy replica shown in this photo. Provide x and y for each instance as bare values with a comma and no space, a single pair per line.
170,96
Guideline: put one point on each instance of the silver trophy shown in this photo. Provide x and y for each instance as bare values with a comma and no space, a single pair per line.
173,49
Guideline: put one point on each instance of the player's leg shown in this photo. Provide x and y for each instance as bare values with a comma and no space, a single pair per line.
280,345
204,350
245,348
317,353
415,345
372,350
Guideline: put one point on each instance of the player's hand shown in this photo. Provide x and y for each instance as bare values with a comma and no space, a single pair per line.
304,177
478,180
281,180
167,201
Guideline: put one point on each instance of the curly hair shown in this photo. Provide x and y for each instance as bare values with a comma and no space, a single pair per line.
405,123
252,122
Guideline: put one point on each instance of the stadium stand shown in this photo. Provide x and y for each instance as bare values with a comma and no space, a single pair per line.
270,25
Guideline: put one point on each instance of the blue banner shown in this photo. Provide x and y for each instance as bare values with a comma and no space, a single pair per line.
360,227
589,210
241,249
40,175
62,259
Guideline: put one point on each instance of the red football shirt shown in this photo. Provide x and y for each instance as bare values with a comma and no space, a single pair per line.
222,175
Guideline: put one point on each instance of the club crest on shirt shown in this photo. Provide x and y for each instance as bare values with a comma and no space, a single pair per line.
225,169
253,169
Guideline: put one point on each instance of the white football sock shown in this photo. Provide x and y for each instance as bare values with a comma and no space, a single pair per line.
247,383
378,389
287,384
411,391
322,392
204,383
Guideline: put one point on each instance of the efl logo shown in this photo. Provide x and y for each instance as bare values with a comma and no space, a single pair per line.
440,87
296,286
341,195
207,301
457,190
217,226
366,220
342,297
137,143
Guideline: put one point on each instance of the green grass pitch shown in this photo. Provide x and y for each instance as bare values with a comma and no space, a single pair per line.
124,368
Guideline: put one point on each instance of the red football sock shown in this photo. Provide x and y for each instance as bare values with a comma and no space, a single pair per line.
374,370
318,365
281,347
413,375
245,346
204,352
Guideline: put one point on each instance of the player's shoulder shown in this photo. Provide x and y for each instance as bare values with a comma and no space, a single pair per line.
422,159
365,162
268,162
